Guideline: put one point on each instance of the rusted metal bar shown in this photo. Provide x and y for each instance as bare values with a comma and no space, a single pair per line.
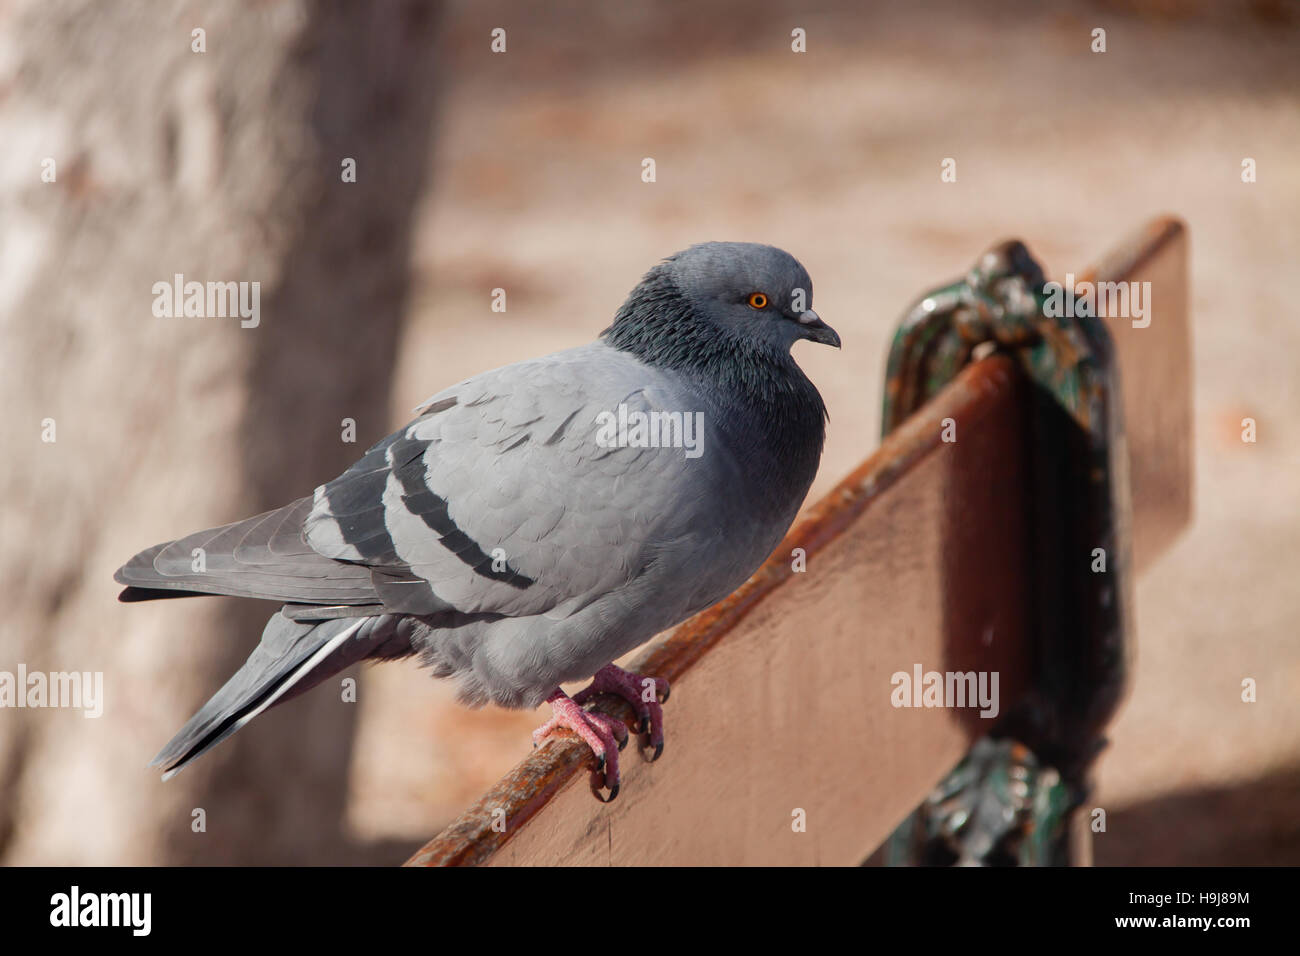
781,707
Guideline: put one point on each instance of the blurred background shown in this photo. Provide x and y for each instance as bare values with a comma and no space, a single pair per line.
522,171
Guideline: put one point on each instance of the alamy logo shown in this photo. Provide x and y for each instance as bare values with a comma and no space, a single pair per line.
220,300
75,689
637,429
1105,300
75,908
946,689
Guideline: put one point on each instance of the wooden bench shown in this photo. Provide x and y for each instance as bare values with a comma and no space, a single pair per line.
784,746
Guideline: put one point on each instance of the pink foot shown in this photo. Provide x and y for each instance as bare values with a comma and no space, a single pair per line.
643,693
605,735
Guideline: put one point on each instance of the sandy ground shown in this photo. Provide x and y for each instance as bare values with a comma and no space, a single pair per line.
834,155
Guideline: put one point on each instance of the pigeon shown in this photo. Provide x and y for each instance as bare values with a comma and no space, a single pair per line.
534,523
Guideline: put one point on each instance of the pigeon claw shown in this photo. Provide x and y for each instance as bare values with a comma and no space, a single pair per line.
645,694
595,790
605,734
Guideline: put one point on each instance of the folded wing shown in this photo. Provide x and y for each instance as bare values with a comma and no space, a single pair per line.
498,499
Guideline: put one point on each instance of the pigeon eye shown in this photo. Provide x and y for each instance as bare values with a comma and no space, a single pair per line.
757,300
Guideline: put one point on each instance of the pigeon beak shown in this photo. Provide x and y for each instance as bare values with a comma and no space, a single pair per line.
817,330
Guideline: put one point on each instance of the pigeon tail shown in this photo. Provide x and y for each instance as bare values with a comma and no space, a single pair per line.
293,657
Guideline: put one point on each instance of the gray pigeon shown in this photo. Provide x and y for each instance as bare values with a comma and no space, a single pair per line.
536,522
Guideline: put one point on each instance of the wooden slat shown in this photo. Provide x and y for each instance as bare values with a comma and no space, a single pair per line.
1155,371
781,694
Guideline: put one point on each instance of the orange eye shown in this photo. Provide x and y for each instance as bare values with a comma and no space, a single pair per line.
757,300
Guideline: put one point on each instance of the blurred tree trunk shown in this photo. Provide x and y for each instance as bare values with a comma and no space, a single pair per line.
219,165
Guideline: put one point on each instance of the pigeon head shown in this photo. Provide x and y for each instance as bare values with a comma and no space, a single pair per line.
719,300
752,290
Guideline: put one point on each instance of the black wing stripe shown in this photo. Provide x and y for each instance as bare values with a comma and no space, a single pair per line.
432,509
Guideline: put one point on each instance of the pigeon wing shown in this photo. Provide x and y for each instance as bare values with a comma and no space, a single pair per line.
264,556
499,498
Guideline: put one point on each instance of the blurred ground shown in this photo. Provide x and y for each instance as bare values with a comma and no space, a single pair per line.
834,155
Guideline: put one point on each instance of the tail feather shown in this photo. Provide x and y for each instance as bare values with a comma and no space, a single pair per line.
292,657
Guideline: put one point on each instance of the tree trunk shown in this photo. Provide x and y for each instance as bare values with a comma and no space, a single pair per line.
222,165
